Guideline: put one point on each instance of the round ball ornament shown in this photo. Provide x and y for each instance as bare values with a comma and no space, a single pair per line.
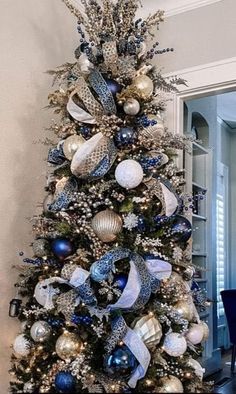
125,137
21,346
113,86
65,382
174,344
120,281
62,248
68,346
169,384
40,247
129,174
106,225
121,362
205,330
199,371
40,331
131,107
185,308
71,145
144,84
195,334
181,229
149,330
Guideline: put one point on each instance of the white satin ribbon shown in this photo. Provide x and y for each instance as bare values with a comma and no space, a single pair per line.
158,268
171,201
141,353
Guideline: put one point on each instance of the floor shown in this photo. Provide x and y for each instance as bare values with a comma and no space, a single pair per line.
225,381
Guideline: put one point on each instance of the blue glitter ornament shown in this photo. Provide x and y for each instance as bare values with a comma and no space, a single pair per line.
126,136
65,382
55,322
120,281
121,362
113,86
62,248
84,320
181,229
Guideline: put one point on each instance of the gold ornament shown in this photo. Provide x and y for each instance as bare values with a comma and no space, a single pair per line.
144,85
71,145
195,333
185,308
205,330
68,346
131,106
149,330
169,384
107,224
153,131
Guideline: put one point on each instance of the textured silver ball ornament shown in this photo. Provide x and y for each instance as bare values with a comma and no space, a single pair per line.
106,225
40,331
149,330
129,174
131,106
174,344
195,333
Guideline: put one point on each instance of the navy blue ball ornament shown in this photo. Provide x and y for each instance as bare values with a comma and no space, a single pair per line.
121,362
120,281
62,248
125,137
113,86
181,229
65,382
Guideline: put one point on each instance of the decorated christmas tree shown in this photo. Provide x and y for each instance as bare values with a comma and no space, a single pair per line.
108,301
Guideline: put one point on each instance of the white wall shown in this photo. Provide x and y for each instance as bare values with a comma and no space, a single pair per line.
203,35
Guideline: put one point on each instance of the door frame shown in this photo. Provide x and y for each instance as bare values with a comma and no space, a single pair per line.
203,80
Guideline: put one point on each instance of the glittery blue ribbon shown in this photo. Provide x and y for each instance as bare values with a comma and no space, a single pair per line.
65,197
98,83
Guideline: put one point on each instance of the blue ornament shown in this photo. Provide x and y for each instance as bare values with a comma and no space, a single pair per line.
62,248
120,281
141,224
126,136
181,229
113,86
65,382
195,285
55,322
84,320
121,362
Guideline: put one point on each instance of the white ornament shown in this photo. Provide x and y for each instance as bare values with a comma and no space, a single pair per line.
195,333
21,346
130,221
131,106
199,371
29,387
174,344
129,174
44,292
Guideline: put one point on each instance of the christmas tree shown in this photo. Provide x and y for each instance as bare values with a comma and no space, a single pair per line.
108,301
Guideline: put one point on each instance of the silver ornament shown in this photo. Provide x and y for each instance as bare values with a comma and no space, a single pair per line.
149,330
72,144
174,344
21,346
144,85
40,331
205,330
199,371
185,308
169,384
106,225
131,106
40,247
156,131
129,174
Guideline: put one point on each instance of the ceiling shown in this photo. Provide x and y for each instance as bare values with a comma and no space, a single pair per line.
226,108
